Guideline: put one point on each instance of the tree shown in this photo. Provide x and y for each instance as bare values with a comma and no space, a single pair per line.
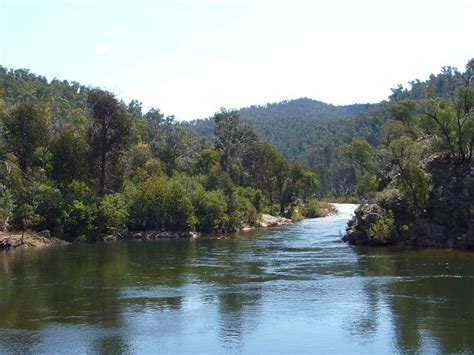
452,119
69,150
157,123
27,127
269,172
231,137
303,184
411,179
360,153
108,135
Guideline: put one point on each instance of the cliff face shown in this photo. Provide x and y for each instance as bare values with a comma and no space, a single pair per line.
448,220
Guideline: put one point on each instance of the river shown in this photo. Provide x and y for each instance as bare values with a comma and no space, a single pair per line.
293,289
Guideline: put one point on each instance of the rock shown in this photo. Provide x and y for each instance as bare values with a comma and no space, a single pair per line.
364,216
246,228
160,234
267,220
28,240
447,219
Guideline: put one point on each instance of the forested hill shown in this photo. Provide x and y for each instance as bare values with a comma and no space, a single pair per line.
80,164
309,131
283,115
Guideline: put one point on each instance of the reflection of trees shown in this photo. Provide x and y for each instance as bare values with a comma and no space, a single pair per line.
96,284
236,280
431,304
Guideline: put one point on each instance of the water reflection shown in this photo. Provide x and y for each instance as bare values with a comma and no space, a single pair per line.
294,289
429,295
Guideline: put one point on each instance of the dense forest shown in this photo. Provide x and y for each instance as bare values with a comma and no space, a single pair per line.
310,131
418,182
409,158
81,164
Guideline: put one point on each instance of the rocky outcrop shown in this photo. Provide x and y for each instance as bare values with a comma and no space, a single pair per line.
267,220
365,215
447,221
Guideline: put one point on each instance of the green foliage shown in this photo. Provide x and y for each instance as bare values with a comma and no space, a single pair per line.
113,214
39,207
27,128
82,164
388,195
162,203
309,131
381,231
69,156
80,206
109,134
231,138
295,214
315,208
208,160
211,211
269,172
7,204
360,153
415,186
242,204
366,184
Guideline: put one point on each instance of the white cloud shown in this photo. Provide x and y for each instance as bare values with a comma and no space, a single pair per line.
102,48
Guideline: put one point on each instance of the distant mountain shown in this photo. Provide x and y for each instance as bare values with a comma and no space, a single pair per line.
309,131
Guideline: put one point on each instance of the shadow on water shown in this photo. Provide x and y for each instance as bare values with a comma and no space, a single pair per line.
428,294
107,285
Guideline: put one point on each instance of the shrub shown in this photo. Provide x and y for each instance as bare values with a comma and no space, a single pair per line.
386,196
366,184
211,208
80,207
113,214
162,203
241,202
415,186
296,215
179,212
381,231
314,208
6,208
39,207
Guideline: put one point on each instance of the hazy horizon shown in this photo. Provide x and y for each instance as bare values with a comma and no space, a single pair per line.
189,58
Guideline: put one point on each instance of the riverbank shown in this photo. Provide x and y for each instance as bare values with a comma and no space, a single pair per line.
30,239
14,240
27,240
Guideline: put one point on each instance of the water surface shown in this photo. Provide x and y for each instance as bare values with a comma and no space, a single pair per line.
295,289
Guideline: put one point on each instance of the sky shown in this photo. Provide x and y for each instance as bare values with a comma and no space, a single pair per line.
190,58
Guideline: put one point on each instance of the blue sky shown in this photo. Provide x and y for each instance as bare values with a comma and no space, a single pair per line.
190,58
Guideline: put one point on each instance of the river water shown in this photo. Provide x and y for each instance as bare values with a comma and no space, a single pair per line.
294,289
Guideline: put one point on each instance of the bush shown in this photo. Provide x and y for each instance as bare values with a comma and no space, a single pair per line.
366,184
314,209
387,196
415,186
80,206
381,231
179,212
162,203
295,214
113,214
39,207
242,203
7,203
211,208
